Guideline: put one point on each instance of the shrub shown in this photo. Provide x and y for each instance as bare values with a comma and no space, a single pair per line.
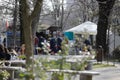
4,75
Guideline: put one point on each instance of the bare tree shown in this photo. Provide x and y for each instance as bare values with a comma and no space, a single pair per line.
115,17
80,11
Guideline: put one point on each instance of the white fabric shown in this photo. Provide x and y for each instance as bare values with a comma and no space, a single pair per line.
84,28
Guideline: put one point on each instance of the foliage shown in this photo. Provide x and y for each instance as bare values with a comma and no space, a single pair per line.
46,47
61,62
56,64
39,70
41,65
57,76
80,65
65,47
26,75
4,75
21,56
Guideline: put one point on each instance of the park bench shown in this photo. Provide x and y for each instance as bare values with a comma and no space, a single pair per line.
83,75
16,63
11,70
12,66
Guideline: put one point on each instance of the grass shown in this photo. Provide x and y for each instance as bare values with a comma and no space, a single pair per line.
56,65
100,65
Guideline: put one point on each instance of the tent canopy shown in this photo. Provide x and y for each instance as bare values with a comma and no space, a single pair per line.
42,27
84,28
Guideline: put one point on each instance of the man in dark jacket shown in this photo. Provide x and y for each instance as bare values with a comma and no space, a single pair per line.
55,43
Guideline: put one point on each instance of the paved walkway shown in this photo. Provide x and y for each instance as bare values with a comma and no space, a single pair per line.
108,73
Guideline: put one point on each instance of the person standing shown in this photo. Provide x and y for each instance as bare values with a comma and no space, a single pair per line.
55,42
87,42
36,41
41,40
59,40
40,44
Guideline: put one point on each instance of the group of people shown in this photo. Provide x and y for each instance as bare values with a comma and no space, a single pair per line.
54,42
6,53
82,45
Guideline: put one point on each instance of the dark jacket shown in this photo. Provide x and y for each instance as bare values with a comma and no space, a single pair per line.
55,44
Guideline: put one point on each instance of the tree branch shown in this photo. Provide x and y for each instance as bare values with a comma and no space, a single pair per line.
37,7
24,8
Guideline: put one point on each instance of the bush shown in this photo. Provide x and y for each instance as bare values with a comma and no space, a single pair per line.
4,75
116,53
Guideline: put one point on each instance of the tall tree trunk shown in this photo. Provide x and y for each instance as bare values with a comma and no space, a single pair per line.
15,24
27,19
21,27
104,11
27,31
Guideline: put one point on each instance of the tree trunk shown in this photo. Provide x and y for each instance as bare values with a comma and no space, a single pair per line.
35,23
103,23
15,24
27,31
26,20
21,27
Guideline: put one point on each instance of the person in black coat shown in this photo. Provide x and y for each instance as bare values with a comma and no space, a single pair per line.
87,42
55,43
41,39
59,41
4,54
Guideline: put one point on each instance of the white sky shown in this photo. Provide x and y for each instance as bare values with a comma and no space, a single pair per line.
50,4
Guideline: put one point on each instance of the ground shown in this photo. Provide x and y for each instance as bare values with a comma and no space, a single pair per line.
108,73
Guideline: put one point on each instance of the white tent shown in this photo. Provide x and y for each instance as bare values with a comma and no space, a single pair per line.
84,28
